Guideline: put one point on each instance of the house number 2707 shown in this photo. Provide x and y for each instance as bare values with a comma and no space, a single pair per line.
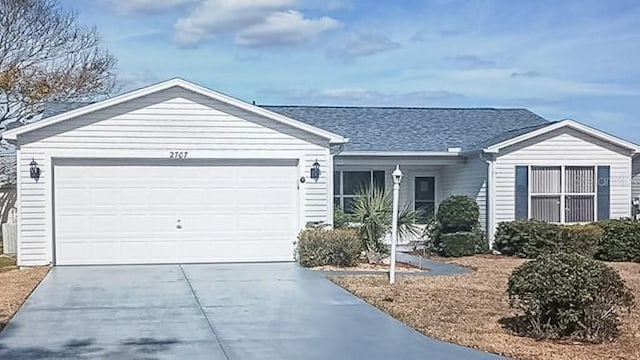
178,154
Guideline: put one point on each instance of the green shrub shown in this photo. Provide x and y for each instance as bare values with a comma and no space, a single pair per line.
530,238
458,213
463,243
525,238
579,239
322,246
620,240
564,295
455,230
341,220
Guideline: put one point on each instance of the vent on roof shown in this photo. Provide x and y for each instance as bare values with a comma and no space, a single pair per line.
454,150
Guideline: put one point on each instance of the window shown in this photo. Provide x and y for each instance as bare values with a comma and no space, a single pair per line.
563,193
424,197
346,184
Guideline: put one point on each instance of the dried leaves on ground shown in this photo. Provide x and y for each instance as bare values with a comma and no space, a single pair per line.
470,309
15,287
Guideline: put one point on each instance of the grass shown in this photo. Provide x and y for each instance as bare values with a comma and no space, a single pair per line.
7,263
15,286
468,310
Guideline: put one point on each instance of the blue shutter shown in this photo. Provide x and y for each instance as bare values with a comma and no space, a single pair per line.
603,191
522,193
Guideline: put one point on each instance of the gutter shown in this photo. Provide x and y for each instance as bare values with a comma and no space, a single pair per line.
401,153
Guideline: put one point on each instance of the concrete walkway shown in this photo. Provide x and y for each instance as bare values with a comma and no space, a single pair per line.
434,267
240,311
430,267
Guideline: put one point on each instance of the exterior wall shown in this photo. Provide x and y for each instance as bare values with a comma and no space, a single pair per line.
635,177
151,127
562,147
468,179
409,172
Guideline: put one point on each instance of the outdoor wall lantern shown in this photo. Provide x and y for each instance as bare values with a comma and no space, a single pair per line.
34,170
315,170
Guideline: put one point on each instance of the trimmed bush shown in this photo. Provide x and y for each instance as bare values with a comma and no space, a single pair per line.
531,238
458,213
568,296
525,239
455,230
463,243
579,239
620,240
322,246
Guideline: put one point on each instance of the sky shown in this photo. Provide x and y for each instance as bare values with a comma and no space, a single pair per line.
560,59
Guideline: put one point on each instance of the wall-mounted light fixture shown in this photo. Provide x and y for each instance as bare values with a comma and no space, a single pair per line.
34,170
315,170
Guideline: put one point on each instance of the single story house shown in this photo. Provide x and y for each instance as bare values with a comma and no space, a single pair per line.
178,173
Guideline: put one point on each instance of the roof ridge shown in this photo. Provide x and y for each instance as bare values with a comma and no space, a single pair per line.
393,107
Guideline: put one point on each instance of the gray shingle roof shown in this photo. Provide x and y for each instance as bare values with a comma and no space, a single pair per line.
397,129
511,134
414,129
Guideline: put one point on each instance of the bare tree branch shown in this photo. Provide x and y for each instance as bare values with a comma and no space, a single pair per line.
45,55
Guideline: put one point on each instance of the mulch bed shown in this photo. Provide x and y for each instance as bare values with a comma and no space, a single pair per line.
15,286
470,309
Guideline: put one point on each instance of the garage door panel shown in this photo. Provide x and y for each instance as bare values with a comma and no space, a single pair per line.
174,214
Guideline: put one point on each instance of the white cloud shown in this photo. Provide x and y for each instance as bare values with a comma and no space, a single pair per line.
284,29
498,83
471,61
136,7
254,23
364,44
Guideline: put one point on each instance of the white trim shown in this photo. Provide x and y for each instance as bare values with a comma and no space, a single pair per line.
569,124
399,153
629,187
563,193
19,207
176,82
490,197
301,193
49,204
329,181
341,196
436,188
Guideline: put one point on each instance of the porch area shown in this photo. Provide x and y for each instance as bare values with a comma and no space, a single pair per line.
427,180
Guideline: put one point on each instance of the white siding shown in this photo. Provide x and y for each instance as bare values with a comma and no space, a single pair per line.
151,127
635,177
468,179
563,147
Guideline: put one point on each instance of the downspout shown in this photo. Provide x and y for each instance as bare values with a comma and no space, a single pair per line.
334,149
490,196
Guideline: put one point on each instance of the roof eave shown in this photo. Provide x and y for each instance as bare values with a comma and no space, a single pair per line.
635,148
399,153
332,137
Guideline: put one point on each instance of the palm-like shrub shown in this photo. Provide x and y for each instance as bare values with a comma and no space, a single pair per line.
373,212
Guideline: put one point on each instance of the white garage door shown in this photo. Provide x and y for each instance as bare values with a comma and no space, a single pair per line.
145,213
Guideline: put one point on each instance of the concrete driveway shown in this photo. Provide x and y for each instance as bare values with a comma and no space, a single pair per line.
239,311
